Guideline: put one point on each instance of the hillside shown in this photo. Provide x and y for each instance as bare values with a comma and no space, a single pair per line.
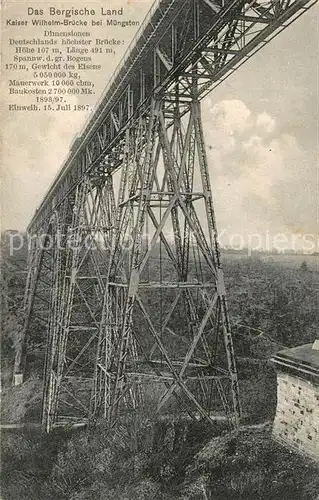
142,460
270,307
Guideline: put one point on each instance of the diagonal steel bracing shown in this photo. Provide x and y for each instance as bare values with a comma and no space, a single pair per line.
125,280
164,214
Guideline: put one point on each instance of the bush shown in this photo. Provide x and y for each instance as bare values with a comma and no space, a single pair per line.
27,460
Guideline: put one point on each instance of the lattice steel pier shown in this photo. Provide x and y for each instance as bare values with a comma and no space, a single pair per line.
124,266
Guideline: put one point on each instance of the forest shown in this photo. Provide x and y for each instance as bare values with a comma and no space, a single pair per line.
271,307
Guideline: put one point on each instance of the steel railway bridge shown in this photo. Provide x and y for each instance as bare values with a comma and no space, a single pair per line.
124,271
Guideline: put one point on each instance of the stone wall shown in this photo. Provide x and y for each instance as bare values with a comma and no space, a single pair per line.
297,417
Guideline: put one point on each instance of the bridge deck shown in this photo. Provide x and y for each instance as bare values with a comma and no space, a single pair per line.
171,47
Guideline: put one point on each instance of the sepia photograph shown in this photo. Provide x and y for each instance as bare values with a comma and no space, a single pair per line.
159,250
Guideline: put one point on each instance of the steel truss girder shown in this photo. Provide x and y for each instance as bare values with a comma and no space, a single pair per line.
99,349
143,135
75,310
166,164
179,41
39,268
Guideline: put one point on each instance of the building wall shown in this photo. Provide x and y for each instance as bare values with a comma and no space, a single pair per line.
297,416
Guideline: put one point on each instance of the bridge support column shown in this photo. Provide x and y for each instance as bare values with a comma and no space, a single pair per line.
165,319
36,297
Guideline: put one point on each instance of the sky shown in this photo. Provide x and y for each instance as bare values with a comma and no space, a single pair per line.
260,129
